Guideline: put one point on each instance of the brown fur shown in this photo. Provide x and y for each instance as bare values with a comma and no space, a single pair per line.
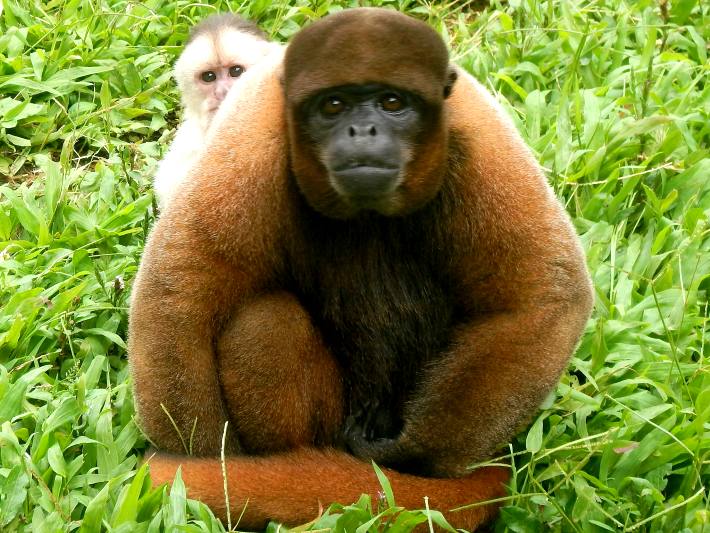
247,302
312,64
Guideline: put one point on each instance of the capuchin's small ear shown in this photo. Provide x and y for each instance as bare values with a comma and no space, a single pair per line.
452,76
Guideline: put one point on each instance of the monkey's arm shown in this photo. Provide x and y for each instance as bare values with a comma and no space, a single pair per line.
175,304
523,293
502,361
499,368
190,279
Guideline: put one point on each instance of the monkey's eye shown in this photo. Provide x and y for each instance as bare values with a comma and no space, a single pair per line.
236,71
332,105
391,103
208,76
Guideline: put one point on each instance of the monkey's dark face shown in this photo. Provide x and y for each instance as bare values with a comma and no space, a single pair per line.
365,98
364,136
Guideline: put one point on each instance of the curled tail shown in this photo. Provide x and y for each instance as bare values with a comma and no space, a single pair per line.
292,487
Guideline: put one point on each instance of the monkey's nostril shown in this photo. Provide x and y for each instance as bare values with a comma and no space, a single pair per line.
358,130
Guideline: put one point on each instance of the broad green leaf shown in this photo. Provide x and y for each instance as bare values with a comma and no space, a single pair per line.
95,512
385,484
533,442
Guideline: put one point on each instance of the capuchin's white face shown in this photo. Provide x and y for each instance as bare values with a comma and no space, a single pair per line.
211,64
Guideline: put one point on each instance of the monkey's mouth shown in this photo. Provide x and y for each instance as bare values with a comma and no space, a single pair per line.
366,181
366,173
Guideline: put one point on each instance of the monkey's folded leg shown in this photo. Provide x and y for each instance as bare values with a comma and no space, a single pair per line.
282,387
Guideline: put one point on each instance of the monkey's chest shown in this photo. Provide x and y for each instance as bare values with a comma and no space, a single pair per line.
384,309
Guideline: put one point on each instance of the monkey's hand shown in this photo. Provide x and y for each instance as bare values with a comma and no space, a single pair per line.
361,441
391,453
378,450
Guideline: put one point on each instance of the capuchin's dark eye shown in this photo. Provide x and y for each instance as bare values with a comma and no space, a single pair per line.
236,71
208,76
391,103
332,105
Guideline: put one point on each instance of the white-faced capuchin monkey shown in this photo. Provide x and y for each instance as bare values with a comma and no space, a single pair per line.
219,50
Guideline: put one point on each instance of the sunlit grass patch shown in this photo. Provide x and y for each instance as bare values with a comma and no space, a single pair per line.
613,98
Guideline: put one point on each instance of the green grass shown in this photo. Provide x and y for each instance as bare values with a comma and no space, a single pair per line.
613,97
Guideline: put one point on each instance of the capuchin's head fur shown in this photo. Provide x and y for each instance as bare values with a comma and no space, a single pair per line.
218,51
354,50
216,24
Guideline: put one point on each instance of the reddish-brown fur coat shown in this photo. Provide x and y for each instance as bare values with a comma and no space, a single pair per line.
230,319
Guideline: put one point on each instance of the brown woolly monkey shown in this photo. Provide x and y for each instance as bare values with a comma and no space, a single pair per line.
218,51
381,272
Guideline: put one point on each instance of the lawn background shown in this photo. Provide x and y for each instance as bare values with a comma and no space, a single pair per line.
612,96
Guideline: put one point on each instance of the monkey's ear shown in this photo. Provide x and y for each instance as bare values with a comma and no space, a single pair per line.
451,78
